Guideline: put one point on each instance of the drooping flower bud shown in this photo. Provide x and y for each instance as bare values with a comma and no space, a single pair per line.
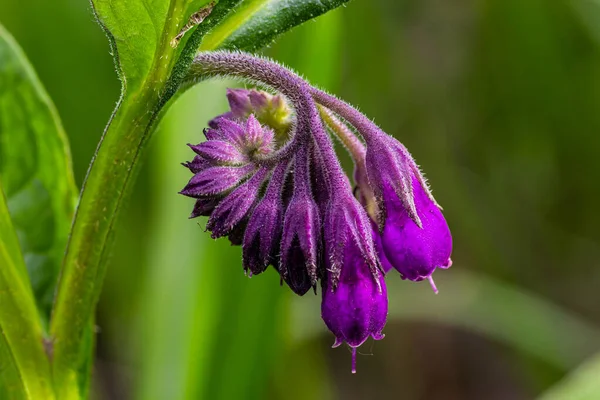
301,229
414,234
358,307
263,233
416,251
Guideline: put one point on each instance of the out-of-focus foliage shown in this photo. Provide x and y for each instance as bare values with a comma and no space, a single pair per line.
496,99
35,168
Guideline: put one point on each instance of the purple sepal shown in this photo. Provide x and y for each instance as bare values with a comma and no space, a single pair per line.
214,123
346,225
216,180
389,165
234,207
219,152
197,164
204,207
262,235
259,139
300,239
415,251
236,235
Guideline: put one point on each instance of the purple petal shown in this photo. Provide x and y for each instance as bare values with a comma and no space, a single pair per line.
415,252
357,309
214,123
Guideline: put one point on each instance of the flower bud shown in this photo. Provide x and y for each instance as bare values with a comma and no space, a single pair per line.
263,233
357,308
416,251
414,234
300,241
270,110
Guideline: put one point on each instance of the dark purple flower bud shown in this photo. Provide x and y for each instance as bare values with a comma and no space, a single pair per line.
234,207
216,180
263,233
301,227
358,307
300,240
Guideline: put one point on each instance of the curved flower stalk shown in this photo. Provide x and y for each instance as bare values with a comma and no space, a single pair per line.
268,178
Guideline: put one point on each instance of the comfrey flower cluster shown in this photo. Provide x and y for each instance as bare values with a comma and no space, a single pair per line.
268,178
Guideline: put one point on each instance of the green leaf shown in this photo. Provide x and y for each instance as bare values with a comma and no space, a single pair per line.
141,32
581,384
256,23
35,168
24,367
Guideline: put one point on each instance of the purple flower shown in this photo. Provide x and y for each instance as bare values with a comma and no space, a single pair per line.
416,251
270,180
415,237
358,307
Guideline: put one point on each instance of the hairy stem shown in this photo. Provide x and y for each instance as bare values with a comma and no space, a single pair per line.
107,184
367,128
298,91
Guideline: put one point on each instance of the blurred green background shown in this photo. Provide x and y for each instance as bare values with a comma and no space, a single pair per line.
499,102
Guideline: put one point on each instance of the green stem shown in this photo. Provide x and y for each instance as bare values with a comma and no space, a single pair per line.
21,335
107,185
